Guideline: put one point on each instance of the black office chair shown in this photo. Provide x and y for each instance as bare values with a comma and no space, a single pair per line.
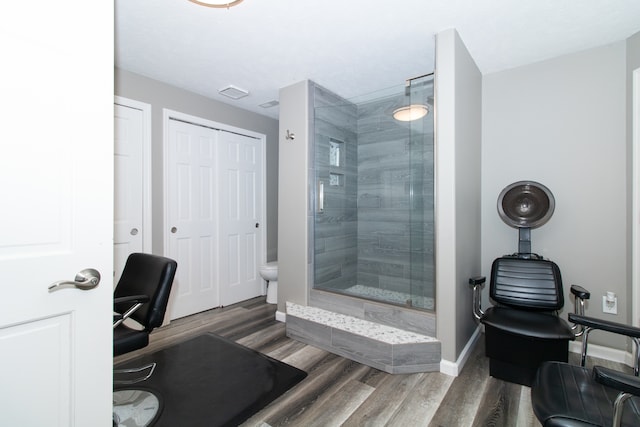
565,395
523,329
141,295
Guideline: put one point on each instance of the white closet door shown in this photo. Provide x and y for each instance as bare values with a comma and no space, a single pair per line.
241,222
192,217
128,191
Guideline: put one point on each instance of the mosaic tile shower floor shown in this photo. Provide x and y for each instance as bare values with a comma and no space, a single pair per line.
393,297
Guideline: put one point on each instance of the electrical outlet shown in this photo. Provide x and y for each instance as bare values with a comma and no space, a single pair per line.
609,304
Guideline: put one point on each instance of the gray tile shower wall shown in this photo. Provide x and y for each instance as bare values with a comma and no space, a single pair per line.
335,234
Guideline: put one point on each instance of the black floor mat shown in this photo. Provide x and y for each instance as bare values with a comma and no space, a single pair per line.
212,381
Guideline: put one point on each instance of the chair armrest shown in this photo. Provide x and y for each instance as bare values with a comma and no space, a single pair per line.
477,283
132,299
591,323
580,292
126,306
616,379
605,325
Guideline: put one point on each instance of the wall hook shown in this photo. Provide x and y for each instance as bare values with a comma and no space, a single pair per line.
290,136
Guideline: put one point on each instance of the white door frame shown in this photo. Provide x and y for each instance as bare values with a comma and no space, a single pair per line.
147,238
635,191
167,115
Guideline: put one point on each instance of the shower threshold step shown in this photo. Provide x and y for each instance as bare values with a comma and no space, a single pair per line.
383,347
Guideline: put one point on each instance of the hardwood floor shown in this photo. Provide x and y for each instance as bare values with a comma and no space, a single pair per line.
340,392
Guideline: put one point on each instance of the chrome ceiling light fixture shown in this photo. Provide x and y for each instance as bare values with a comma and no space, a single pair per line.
410,112
217,4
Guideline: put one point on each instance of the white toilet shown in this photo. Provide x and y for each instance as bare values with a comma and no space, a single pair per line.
269,272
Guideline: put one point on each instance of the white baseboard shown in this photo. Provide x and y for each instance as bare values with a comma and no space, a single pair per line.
454,368
449,368
281,317
602,352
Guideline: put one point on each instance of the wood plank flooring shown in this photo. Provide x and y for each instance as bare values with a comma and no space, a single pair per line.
340,392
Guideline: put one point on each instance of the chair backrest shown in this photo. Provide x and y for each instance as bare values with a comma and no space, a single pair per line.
531,284
151,275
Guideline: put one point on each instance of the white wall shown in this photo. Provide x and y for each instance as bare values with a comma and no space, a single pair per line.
562,122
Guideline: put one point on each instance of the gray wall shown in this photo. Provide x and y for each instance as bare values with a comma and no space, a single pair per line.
295,211
458,146
160,95
633,63
562,122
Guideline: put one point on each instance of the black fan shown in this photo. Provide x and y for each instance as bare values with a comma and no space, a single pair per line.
525,205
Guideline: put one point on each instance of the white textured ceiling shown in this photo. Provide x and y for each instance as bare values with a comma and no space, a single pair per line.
352,47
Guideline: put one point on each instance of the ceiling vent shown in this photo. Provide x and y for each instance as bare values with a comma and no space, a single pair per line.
233,92
269,104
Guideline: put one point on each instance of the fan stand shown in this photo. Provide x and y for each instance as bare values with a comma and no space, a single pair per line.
524,243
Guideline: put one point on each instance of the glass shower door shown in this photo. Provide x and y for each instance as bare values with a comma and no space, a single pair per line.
373,212
421,193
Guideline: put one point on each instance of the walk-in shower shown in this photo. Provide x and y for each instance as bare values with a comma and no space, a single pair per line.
373,188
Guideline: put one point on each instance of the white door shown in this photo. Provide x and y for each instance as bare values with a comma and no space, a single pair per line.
241,200
192,217
128,185
56,171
